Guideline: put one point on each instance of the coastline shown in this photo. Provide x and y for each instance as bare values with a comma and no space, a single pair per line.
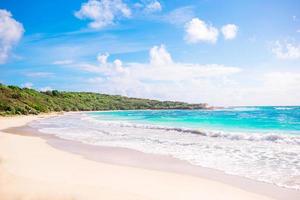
77,171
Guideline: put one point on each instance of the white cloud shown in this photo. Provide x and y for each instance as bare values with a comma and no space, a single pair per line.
62,62
165,79
11,32
103,67
179,16
102,58
286,51
153,6
160,68
103,12
27,85
160,56
45,89
277,88
39,74
229,31
198,31
283,81
161,78
148,6
118,63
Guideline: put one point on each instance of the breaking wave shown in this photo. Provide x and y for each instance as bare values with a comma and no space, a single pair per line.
269,157
269,137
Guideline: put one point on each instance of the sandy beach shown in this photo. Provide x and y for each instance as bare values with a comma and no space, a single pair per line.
31,168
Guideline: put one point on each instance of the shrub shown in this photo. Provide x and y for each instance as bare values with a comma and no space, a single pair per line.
16,96
55,93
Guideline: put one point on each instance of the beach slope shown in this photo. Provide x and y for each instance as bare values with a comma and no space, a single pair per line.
31,169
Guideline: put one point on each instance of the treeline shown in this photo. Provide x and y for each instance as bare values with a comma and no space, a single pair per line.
22,101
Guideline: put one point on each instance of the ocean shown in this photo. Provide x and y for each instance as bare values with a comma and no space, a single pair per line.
260,143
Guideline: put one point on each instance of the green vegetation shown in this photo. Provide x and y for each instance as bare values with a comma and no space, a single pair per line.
23,101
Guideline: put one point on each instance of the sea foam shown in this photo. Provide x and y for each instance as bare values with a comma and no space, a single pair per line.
267,157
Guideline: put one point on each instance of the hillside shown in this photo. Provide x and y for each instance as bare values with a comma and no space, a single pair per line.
15,100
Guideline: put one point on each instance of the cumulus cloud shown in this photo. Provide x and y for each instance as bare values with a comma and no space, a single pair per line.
103,67
102,58
166,79
160,78
11,32
229,31
153,6
197,30
285,50
160,56
118,63
160,68
103,12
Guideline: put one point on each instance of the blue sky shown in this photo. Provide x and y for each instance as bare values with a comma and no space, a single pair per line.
221,52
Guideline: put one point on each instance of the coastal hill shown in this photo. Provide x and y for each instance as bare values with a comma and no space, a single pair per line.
23,101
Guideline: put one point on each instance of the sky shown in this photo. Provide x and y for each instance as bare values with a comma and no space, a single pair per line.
220,52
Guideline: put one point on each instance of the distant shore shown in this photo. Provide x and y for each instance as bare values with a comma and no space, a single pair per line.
30,168
17,101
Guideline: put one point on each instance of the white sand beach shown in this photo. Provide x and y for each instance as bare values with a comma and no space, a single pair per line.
31,169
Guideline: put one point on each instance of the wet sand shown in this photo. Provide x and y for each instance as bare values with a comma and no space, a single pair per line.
34,165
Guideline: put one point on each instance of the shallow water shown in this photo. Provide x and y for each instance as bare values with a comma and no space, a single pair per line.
261,143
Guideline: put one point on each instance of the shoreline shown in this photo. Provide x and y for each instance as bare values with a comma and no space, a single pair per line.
157,164
134,158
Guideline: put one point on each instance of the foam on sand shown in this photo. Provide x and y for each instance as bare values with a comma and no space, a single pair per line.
31,169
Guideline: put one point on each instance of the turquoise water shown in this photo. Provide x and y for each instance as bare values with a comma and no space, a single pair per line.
281,120
260,143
